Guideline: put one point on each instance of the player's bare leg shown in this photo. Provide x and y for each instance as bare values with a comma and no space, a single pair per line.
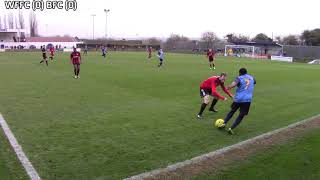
46,60
214,65
43,60
75,71
78,70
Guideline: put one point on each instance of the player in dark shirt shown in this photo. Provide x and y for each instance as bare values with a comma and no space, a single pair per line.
211,57
44,55
75,58
149,49
85,50
104,51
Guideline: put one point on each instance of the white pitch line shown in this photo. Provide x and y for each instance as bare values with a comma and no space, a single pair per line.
18,150
218,152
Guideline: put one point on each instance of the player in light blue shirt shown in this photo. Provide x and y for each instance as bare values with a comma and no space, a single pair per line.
161,57
104,51
242,99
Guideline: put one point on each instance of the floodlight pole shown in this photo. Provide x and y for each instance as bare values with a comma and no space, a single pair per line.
93,15
19,33
106,11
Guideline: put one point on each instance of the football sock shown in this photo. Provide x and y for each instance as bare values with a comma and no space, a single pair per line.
78,71
237,121
203,107
47,63
75,71
214,102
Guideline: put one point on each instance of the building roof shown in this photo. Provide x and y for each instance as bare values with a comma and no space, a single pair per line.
120,42
50,39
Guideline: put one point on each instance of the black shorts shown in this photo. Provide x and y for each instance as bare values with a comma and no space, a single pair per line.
205,92
44,56
211,59
161,60
244,107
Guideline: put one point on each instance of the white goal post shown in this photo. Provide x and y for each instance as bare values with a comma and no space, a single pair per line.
241,50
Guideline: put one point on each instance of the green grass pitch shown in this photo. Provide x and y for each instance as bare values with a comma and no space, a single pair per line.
296,160
125,116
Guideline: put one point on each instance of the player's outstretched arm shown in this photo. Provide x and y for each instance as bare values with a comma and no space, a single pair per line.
214,93
232,85
226,91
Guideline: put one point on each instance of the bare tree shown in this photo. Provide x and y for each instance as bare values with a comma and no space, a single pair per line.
33,25
209,38
11,21
22,26
16,23
21,21
154,41
279,39
291,40
4,22
175,39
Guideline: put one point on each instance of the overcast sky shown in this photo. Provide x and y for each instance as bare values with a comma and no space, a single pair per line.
149,18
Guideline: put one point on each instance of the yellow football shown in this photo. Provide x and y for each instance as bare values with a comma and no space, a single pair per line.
219,123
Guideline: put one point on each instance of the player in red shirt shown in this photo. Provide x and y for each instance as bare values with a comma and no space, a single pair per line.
75,58
211,56
149,49
52,50
209,88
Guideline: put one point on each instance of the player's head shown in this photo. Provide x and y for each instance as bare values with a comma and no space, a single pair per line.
210,50
243,71
223,77
74,49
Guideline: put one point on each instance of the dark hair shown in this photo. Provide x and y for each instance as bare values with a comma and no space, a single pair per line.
223,74
243,71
